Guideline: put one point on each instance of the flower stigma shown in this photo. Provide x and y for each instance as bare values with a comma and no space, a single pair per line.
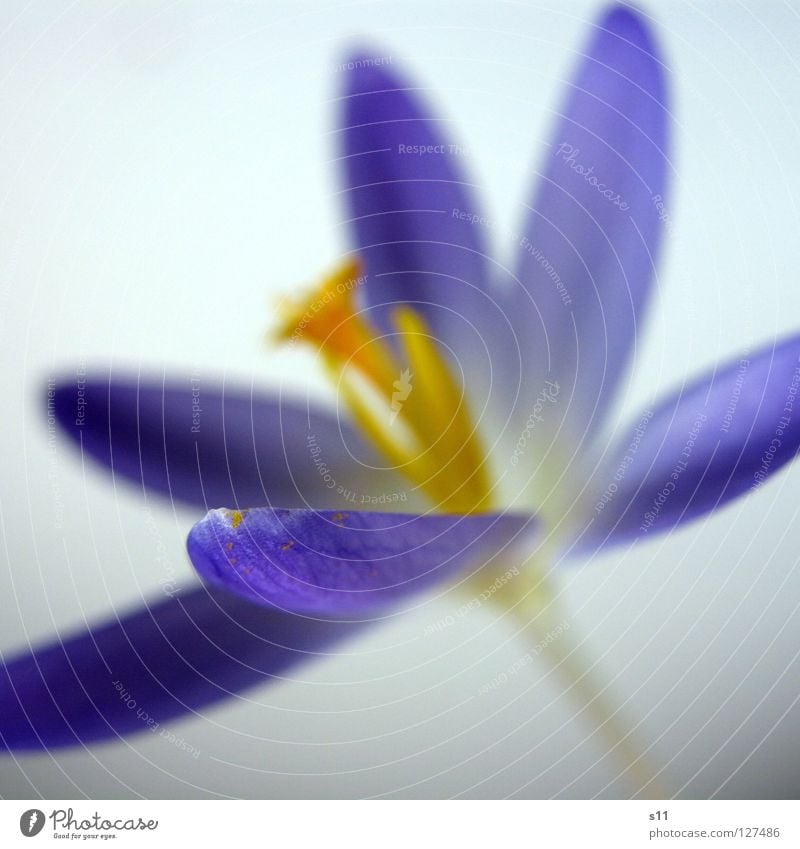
404,396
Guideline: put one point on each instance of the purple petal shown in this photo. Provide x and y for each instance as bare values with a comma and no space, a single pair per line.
209,444
711,442
158,663
301,560
586,259
414,220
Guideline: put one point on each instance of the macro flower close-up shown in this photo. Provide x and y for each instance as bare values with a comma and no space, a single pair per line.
449,419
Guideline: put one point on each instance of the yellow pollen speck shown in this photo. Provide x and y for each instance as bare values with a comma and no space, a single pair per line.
287,545
237,517
229,546
339,518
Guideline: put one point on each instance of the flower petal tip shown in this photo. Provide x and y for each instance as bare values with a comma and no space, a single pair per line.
369,70
628,22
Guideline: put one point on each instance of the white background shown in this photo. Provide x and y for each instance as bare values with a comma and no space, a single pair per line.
166,170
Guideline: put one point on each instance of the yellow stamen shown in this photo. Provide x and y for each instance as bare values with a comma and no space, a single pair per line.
408,459
440,408
327,319
407,402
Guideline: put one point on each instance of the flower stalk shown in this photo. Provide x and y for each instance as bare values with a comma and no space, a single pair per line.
538,611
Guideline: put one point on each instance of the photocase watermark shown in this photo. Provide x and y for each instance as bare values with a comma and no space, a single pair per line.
689,298
549,270
169,581
152,724
678,469
179,743
130,702
350,495
366,62
80,395
473,604
52,457
402,389
474,218
791,395
736,392
548,395
504,677
31,822
663,215
569,153
197,410
611,490
780,428
66,825
432,149
523,242
320,303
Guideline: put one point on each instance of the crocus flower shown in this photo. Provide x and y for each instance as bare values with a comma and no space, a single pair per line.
471,431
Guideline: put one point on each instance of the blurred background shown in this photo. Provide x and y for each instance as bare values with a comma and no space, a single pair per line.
168,169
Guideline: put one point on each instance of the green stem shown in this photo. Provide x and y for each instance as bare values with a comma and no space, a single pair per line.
538,613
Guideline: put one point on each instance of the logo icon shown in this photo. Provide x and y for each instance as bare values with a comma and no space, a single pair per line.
402,389
31,822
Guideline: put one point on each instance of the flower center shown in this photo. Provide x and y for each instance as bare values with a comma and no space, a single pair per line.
405,398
